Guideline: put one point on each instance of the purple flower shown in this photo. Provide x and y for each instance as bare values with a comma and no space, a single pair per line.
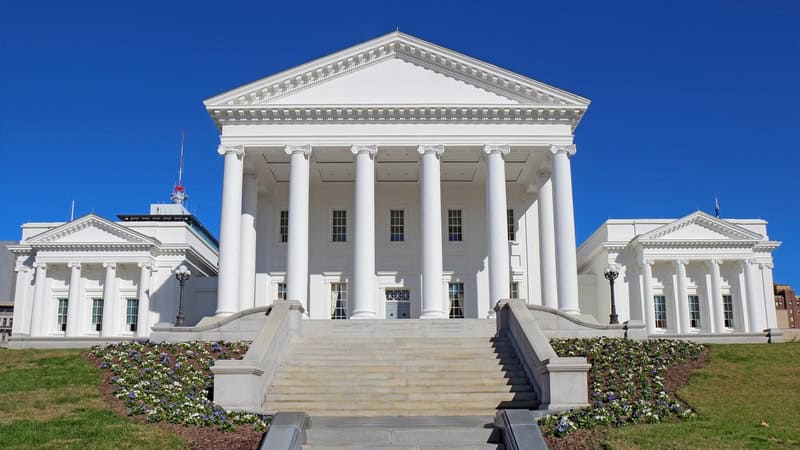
131,395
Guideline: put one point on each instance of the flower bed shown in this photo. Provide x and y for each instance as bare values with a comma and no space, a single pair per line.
170,382
626,382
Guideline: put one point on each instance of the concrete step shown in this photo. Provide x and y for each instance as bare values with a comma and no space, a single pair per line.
321,374
400,352
442,364
420,406
350,387
403,397
403,447
395,379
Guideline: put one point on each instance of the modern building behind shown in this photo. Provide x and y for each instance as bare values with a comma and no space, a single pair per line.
787,306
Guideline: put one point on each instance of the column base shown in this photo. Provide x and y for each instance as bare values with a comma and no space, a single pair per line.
570,311
433,315
364,315
224,313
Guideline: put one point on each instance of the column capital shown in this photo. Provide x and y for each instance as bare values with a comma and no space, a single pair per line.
569,149
714,262
74,265
436,149
503,149
292,149
225,149
680,262
647,261
110,265
145,265
40,265
21,268
767,265
371,149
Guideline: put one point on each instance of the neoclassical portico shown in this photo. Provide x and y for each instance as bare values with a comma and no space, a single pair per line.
397,171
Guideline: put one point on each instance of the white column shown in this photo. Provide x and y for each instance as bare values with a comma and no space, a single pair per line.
229,231
649,302
716,296
22,306
109,297
73,304
39,288
532,265
433,300
297,248
499,263
363,293
769,295
143,293
564,222
755,304
547,242
247,248
682,298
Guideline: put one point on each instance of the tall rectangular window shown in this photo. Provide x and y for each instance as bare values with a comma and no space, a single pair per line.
338,300
97,313
339,225
456,295
454,226
283,226
281,291
660,303
132,313
63,306
727,310
512,225
694,311
514,289
397,225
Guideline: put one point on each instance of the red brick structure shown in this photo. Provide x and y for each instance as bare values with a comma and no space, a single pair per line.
787,306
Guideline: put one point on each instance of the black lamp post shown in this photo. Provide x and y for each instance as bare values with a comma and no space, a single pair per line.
182,273
611,274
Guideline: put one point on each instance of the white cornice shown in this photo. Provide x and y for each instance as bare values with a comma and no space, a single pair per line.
51,237
539,102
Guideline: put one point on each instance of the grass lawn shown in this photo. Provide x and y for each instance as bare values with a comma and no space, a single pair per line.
742,386
51,399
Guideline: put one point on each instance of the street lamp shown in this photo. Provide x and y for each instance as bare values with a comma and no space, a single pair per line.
182,273
612,272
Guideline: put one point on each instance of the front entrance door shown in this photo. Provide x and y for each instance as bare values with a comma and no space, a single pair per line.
398,304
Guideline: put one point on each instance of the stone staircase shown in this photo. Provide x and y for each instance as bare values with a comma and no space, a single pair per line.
400,368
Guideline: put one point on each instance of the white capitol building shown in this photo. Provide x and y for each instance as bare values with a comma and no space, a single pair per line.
401,180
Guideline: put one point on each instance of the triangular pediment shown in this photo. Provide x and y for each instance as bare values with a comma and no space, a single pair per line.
90,230
700,226
397,69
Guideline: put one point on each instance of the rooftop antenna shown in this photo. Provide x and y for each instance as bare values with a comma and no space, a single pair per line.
179,193
72,211
716,207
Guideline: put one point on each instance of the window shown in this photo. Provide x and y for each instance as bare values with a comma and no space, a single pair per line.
397,225
694,311
338,300
512,225
454,229
97,313
513,290
456,294
727,310
660,303
63,305
281,291
132,314
339,225
283,226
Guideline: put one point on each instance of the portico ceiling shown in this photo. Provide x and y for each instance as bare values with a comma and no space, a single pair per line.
393,164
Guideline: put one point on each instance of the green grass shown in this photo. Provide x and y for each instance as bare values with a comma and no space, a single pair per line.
51,399
742,386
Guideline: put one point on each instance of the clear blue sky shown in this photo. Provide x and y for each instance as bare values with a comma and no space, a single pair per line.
689,100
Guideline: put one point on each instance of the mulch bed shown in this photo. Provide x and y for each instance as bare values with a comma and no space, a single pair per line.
199,438
584,439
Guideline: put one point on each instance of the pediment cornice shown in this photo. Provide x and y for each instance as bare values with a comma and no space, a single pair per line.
538,102
55,237
732,233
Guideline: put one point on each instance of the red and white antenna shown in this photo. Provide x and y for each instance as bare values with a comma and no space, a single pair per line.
179,194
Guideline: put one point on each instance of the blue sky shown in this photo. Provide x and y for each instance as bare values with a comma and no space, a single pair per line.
690,100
